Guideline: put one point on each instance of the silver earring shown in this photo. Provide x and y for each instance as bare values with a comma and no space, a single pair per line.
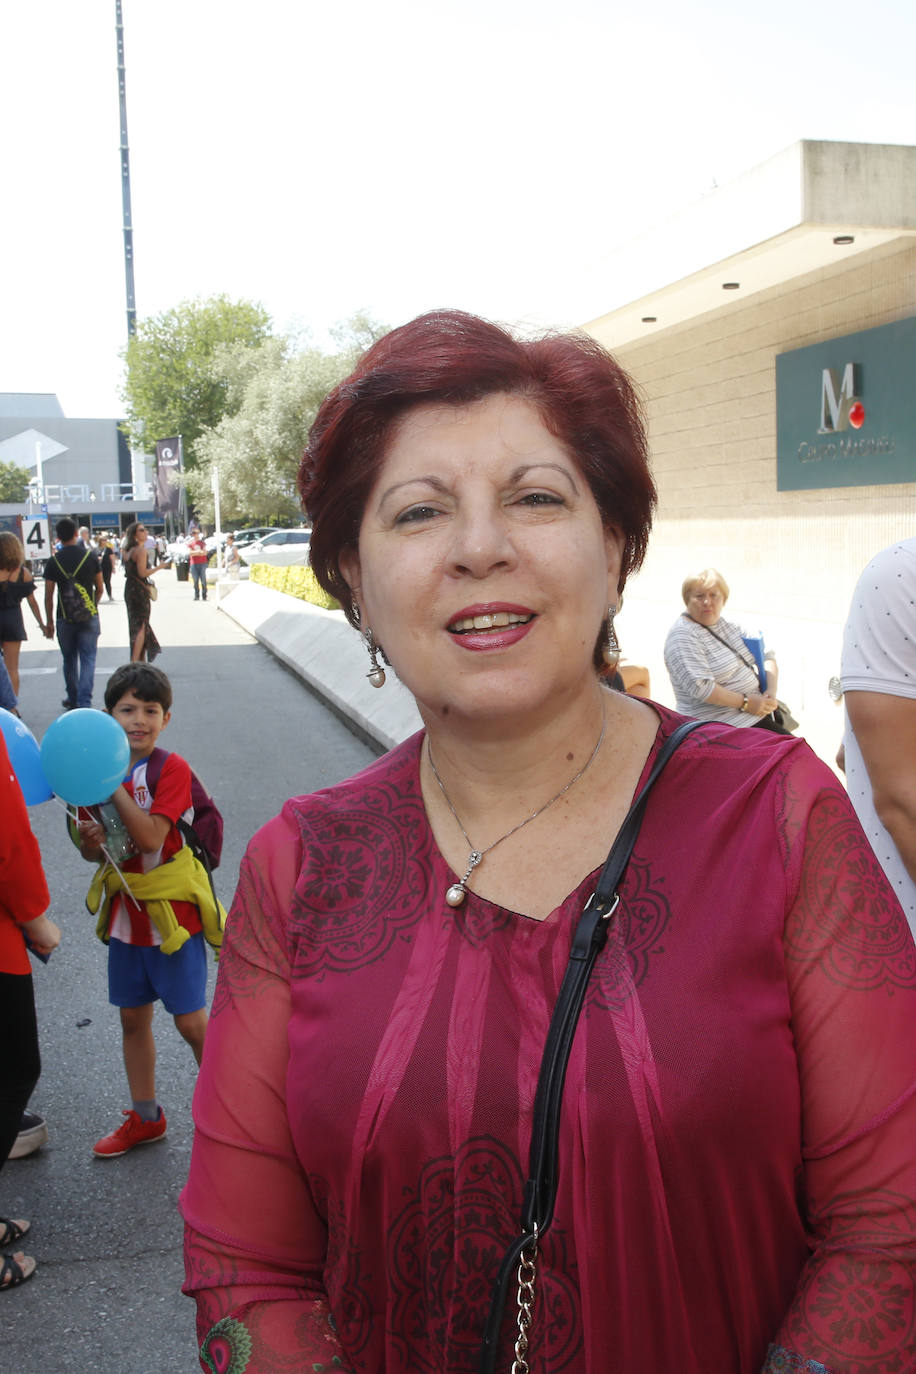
376,674
611,651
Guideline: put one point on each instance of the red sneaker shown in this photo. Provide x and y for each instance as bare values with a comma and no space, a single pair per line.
132,1132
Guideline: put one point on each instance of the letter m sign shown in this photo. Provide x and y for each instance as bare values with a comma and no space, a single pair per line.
837,395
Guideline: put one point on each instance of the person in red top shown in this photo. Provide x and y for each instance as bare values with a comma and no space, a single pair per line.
23,902
198,552
139,832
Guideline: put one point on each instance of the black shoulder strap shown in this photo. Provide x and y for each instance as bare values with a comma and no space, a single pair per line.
589,939
748,663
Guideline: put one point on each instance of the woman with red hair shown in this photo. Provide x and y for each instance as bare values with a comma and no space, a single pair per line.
725,1180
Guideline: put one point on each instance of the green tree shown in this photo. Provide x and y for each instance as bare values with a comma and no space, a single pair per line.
14,482
275,391
171,385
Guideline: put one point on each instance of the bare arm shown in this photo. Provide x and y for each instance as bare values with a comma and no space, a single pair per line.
43,934
885,727
635,679
758,704
147,831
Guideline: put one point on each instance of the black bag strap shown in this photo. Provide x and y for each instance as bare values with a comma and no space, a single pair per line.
748,662
588,941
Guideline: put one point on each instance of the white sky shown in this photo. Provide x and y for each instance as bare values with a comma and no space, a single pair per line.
394,157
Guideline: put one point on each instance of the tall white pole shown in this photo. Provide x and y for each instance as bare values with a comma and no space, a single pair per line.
214,486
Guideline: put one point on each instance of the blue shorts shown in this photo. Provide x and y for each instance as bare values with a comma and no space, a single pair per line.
140,974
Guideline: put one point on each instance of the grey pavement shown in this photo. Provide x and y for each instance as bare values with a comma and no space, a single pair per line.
107,1234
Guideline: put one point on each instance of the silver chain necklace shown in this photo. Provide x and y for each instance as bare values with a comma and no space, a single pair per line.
458,891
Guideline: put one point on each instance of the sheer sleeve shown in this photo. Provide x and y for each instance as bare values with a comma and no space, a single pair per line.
254,1242
851,966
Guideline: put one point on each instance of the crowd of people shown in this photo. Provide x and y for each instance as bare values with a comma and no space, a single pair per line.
467,1073
81,569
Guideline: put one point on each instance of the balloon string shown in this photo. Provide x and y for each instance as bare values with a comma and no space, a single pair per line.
123,879
73,812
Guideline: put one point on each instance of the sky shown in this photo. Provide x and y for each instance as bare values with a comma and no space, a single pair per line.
389,157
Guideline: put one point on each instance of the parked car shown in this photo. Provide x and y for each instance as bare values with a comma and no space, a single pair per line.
252,534
281,549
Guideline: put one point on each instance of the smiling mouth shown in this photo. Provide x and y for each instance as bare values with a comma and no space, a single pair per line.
494,620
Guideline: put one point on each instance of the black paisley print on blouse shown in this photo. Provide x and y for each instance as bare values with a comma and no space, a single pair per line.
364,884
640,923
847,924
444,1250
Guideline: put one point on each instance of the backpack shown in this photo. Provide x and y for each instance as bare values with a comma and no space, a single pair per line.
77,606
205,834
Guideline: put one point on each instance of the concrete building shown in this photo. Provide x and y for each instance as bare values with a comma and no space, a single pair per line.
772,330
81,468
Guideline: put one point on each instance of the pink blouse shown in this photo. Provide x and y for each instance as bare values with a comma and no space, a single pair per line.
737,1161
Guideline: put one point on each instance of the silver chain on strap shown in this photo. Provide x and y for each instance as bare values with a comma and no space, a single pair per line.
527,1276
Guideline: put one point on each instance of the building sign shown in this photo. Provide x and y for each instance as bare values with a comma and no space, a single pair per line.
846,411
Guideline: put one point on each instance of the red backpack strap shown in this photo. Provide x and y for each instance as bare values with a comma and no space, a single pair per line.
154,766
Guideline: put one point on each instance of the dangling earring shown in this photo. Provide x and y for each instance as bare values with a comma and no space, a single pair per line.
376,675
611,651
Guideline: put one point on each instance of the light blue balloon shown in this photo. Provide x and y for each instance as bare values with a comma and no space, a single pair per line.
85,756
25,759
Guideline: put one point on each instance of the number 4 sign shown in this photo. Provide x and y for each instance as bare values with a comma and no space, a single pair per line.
36,537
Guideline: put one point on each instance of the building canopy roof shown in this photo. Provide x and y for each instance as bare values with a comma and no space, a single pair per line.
809,207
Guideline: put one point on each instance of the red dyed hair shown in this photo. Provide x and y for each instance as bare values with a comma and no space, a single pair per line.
584,397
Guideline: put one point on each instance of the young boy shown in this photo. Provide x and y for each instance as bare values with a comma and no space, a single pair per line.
155,901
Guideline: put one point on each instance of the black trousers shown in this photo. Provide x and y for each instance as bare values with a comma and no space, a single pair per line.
770,723
20,1062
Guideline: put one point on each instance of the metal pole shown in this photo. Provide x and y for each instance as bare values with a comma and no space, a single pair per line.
125,182
214,487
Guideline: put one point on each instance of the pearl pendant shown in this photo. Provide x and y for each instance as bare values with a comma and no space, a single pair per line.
455,895
377,677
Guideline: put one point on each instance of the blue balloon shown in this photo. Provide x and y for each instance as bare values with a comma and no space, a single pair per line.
85,756
25,760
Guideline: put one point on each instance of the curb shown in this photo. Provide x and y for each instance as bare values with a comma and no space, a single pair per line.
325,651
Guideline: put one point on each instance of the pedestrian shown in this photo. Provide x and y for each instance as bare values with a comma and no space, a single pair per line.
232,557
878,677
138,593
155,901
712,671
729,1169
106,562
16,585
23,901
197,549
75,571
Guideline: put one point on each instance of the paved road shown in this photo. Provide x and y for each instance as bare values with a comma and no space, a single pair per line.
106,1234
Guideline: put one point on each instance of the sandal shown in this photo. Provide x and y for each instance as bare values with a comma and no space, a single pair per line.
15,1230
12,1273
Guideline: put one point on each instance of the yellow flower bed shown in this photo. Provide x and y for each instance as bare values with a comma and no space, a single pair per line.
296,581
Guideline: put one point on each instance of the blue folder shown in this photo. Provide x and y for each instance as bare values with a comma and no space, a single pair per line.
755,644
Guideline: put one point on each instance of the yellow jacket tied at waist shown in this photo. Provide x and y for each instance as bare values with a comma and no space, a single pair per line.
183,878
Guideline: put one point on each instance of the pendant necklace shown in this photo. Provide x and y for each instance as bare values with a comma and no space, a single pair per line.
458,891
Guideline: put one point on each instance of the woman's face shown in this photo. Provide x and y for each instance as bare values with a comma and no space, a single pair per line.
483,567
704,605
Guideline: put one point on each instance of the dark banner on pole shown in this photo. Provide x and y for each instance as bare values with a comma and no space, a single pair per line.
168,461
